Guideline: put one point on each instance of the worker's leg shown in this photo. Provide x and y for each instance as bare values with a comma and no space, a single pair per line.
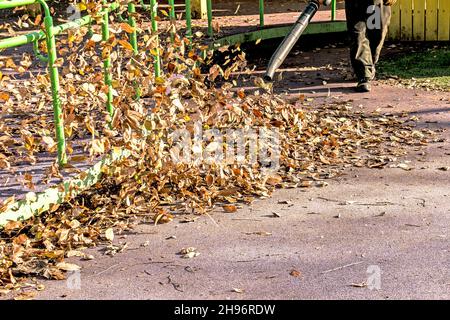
360,51
378,35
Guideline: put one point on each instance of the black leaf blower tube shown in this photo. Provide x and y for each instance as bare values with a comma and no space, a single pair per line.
291,39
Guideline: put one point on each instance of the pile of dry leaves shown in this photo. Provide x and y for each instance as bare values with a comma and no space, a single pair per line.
313,145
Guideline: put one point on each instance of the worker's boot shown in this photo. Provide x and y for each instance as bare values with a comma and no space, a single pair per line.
363,85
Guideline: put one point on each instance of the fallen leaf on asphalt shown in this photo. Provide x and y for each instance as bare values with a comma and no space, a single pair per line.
74,253
68,266
403,166
284,202
189,253
359,285
145,244
295,273
112,250
109,234
28,295
259,233
229,208
163,217
274,180
189,220
276,215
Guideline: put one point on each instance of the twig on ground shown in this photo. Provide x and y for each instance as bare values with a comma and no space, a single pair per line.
342,267
109,268
176,286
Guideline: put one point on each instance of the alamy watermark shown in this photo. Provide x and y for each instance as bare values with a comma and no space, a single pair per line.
374,277
73,280
74,12
374,20
243,146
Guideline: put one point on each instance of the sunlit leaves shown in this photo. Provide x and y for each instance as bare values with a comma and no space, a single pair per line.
315,144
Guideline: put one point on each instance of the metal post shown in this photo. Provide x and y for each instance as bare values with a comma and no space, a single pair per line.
132,23
261,13
133,41
37,53
188,19
53,72
210,18
107,60
333,10
54,80
154,15
172,17
17,3
172,10
49,33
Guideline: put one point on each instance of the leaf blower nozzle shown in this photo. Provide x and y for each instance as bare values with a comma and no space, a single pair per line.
291,39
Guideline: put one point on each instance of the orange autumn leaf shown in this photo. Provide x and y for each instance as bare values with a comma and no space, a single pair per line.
127,28
126,45
4,96
229,208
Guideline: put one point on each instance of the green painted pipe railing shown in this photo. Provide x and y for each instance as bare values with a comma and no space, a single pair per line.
333,10
49,34
210,18
154,18
51,31
188,20
132,23
25,209
173,17
10,4
107,61
261,13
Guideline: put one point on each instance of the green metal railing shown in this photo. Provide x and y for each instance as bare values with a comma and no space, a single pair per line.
50,31
333,10
26,208
48,34
261,13
209,9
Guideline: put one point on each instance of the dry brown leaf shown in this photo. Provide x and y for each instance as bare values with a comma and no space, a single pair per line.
229,208
109,234
295,273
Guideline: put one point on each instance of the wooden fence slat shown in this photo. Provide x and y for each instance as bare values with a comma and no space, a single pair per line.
406,19
431,29
444,20
394,27
419,20
199,9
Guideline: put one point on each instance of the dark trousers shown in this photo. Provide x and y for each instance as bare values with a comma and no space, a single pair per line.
367,34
